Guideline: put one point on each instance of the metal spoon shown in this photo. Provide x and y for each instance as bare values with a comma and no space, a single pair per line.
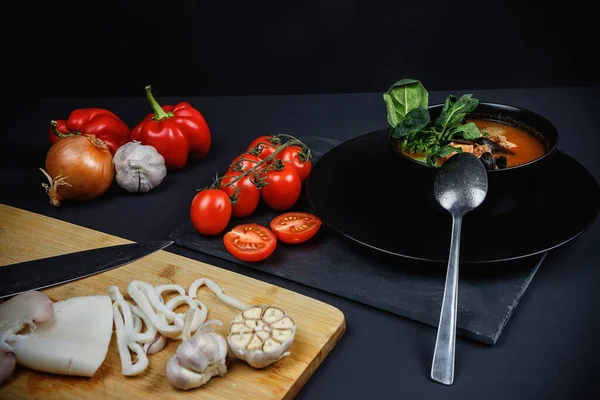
460,186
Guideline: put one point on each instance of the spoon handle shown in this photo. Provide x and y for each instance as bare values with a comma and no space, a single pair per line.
442,369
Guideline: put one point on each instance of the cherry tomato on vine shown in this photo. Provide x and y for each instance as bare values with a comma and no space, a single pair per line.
210,211
248,196
291,155
268,146
295,227
246,161
283,186
250,242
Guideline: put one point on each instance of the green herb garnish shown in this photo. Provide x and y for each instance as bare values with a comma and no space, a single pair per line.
410,123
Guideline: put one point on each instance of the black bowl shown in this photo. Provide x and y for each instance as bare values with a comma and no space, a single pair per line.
508,188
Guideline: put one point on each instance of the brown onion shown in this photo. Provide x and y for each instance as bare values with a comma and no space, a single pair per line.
78,167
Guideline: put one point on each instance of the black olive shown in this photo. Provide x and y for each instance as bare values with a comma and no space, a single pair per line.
483,140
501,162
488,160
495,147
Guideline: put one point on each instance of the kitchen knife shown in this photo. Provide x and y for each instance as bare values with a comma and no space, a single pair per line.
51,271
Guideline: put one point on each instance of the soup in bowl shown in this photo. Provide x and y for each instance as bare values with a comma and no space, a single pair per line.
503,143
514,145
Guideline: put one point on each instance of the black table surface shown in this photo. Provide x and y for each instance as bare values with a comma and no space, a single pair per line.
548,350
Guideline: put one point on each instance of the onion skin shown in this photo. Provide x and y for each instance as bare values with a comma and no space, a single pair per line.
78,167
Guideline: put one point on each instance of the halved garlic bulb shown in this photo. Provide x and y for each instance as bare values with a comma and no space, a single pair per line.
261,335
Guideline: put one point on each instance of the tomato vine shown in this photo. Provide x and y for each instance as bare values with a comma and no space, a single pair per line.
262,166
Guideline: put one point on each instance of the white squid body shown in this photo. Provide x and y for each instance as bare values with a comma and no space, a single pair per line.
72,339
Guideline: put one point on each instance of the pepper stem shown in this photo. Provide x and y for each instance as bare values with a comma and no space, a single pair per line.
159,113
53,125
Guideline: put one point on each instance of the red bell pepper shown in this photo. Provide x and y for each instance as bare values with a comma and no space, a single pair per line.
176,132
103,124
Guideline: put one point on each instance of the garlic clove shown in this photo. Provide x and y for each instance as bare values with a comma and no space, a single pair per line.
237,328
185,379
273,315
252,313
281,335
285,323
255,343
273,332
263,335
241,339
181,377
251,323
270,345
196,354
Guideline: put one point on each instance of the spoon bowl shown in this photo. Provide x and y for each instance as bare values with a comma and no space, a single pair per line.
460,186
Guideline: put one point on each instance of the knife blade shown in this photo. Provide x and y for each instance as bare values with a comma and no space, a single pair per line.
51,271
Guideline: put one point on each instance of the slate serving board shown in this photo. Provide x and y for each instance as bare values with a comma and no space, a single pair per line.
488,294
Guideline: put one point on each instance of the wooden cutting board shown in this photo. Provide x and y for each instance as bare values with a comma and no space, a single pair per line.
27,236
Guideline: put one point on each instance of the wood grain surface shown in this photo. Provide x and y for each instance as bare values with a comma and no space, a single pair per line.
27,236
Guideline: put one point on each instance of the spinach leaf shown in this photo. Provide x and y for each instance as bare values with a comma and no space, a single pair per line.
467,131
442,151
454,111
419,142
402,97
410,124
415,120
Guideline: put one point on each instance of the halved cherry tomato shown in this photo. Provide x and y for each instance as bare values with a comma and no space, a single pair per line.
246,161
250,242
248,196
295,227
283,186
268,144
210,211
290,154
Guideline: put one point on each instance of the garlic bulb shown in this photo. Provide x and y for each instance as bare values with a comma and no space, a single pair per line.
261,335
198,358
138,167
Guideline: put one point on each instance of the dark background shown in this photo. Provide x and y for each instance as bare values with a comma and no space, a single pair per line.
195,48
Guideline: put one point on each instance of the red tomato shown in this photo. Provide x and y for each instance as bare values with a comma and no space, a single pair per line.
290,155
246,161
283,187
267,146
210,211
248,196
295,227
250,242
